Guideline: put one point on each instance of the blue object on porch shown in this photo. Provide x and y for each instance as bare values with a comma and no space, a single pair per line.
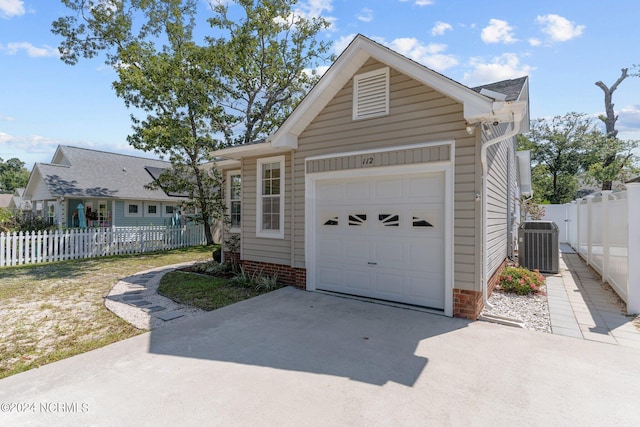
82,220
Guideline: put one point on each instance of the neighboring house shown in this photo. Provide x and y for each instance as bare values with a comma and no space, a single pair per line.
5,199
110,187
388,181
17,202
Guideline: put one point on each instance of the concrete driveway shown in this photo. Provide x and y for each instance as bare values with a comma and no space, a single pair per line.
299,358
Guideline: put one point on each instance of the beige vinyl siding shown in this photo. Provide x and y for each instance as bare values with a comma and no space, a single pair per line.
498,210
387,158
417,114
262,249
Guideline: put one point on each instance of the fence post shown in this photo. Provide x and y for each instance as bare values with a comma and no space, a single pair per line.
633,251
605,235
579,220
589,224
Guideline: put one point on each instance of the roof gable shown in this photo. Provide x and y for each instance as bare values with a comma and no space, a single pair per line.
476,106
91,173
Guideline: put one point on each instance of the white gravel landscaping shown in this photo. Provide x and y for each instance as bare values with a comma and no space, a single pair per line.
530,310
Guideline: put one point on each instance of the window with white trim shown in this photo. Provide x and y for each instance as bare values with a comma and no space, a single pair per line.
234,191
371,94
169,210
133,209
270,198
151,209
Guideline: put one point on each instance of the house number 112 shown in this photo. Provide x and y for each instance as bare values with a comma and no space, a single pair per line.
367,161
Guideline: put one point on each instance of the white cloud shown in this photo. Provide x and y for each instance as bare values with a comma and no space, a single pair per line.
629,119
558,28
31,50
503,67
6,118
10,8
498,31
432,55
420,2
32,144
440,28
365,15
341,44
534,42
314,9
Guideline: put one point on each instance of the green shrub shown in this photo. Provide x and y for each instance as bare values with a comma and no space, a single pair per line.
256,281
519,280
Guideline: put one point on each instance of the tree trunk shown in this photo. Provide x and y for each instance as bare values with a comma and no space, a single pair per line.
610,119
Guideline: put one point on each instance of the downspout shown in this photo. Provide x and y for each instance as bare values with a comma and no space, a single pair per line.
485,253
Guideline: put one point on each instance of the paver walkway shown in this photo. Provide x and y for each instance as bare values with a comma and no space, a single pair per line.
579,306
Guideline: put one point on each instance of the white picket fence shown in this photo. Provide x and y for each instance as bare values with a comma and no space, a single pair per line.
605,231
59,245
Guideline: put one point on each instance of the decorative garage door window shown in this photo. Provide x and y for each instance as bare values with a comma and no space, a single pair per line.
331,221
422,220
357,219
389,220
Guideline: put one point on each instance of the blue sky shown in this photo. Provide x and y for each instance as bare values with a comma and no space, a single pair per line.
564,46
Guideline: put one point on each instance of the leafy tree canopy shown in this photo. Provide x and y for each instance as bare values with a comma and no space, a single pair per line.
13,175
559,153
234,86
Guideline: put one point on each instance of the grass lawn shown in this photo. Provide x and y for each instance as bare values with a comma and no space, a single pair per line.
205,292
56,310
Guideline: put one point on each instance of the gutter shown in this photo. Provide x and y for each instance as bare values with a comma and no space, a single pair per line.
484,250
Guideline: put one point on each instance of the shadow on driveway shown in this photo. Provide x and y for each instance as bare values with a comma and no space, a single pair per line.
310,332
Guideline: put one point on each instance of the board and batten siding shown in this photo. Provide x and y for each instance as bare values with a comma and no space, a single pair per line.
264,249
417,114
498,203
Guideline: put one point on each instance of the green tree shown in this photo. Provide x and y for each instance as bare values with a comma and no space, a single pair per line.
266,61
163,74
13,175
559,153
235,87
611,159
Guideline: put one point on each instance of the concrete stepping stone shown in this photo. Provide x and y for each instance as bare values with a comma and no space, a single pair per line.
155,308
132,292
170,315
139,303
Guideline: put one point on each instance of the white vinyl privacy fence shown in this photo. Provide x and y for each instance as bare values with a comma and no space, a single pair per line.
59,245
605,231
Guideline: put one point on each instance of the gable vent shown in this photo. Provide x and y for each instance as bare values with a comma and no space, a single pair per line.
371,94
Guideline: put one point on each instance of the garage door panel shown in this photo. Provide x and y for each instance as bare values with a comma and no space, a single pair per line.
328,192
390,253
382,237
357,191
330,276
358,279
429,188
389,285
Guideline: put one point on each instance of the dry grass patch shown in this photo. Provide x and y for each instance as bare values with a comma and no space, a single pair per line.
53,311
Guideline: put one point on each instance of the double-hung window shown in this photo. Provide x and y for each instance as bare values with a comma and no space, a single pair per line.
270,198
234,191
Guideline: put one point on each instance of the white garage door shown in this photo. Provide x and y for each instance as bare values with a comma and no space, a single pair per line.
382,237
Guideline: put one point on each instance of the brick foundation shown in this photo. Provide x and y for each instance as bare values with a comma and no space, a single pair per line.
469,304
286,275
232,257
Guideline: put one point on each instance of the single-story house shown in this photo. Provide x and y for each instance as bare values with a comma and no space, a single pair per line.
109,187
388,181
